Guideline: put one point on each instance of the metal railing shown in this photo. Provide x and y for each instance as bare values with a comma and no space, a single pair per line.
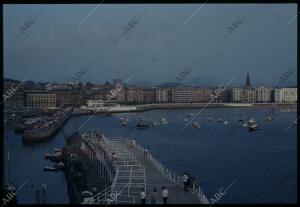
169,174
129,174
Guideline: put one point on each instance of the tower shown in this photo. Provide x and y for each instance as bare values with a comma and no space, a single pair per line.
248,84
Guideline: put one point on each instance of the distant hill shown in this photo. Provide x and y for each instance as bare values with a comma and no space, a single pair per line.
202,81
142,83
11,80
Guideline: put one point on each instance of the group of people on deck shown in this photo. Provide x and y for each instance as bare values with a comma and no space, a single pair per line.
154,199
189,182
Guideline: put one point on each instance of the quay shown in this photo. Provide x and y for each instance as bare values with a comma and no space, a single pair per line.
130,171
44,134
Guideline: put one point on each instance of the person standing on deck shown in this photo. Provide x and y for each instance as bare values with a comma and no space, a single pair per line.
146,152
143,196
189,180
185,179
193,183
165,194
154,197
114,156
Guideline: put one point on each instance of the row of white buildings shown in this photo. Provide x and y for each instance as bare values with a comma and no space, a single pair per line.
264,95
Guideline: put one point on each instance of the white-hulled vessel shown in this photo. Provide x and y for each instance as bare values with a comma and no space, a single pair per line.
164,120
252,125
155,123
196,125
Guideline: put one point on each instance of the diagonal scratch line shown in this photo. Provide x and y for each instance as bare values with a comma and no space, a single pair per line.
225,190
19,188
16,88
90,13
206,105
292,19
194,13
291,124
229,186
125,33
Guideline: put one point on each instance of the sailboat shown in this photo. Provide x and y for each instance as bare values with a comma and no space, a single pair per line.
270,118
224,120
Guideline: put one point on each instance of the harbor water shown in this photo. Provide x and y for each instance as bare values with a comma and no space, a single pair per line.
261,165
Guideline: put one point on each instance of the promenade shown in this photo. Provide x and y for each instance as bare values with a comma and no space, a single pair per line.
131,171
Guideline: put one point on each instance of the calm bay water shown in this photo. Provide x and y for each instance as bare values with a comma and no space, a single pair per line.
262,163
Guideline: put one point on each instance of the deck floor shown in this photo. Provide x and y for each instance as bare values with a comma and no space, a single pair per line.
155,179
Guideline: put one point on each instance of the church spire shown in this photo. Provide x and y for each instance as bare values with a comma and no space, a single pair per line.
248,84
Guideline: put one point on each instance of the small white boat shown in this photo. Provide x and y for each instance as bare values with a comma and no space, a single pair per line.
225,122
121,118
196,125
164,120
155,123
252,125
61,166
208,118
86,193
124,123
251,121
245,124
269,118
53,169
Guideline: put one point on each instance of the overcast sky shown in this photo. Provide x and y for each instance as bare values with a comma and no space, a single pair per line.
65,38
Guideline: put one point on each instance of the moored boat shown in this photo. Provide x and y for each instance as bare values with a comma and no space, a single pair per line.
155,123
196,125
53,169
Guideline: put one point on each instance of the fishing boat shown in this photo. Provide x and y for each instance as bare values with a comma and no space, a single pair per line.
196,125
164,120
155,123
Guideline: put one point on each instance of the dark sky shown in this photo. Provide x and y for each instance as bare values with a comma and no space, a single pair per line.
166,39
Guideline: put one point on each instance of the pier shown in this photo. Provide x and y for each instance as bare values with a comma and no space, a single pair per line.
132,170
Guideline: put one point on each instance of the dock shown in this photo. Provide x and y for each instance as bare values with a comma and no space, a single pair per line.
130,171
